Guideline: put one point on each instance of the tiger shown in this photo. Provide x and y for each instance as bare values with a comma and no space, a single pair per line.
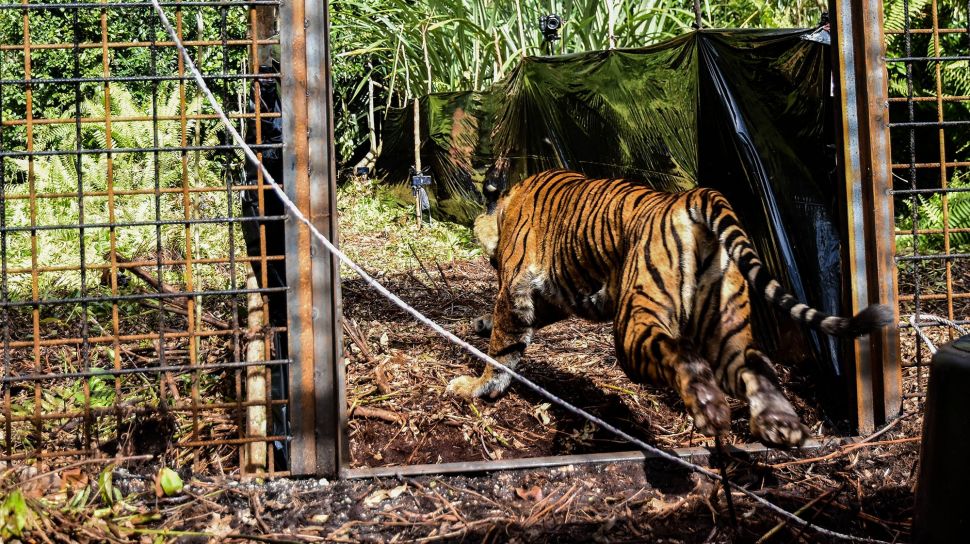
673,271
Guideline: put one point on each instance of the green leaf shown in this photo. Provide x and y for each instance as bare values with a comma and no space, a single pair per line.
106,487
15,515
170,481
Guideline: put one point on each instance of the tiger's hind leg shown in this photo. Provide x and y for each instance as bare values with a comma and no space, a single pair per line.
646,349
773,419
743,371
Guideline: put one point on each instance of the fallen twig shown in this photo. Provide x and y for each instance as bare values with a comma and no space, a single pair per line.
844,450
376,413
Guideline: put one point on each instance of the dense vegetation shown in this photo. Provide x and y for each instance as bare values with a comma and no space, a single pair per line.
388,51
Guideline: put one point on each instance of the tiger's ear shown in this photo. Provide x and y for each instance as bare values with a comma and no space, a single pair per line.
486,231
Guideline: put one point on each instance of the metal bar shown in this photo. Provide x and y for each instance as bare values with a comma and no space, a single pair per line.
37,302
4,294
124,410
694,454
935,296
913,201
895,32
932,190
127,338
332,450
130,45
903,99
130,119
929,59
948,264
123,79
117,371
141,264
929,124
863,89
85,346
904,258
127,5
262,23
299,263
30,153
167,222
929,324
921,232
134,192
32,189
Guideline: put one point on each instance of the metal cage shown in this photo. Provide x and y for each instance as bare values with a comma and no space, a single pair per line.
129,224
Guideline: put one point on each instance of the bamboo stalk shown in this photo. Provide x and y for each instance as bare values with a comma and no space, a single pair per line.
417,153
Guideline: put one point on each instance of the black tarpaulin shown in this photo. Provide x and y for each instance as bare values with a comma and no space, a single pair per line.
745,112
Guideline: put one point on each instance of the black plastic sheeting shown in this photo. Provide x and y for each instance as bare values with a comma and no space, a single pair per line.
746,112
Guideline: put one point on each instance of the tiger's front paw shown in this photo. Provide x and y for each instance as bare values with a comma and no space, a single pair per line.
779,427
482,326
464,387
469,387
709,408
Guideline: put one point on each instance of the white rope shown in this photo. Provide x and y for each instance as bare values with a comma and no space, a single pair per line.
292,208
915,320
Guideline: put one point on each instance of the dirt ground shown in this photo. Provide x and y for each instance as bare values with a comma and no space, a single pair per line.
399,414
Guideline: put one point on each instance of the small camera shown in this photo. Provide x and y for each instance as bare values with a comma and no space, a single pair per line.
549,25
420,180
361,171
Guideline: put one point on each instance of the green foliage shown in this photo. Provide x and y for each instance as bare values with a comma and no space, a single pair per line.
414,47
378,230
169,481
920,80
64,27
15,515
129,171
930,216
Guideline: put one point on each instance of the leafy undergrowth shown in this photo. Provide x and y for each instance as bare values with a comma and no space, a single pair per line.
378,230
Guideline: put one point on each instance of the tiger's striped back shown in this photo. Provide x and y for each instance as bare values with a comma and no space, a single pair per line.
583,229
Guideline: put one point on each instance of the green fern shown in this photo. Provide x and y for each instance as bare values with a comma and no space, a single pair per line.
129,171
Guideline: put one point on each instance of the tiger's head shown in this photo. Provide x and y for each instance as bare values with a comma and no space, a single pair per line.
486,224
486,232
496,181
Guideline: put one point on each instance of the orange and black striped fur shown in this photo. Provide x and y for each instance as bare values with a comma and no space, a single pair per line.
673,273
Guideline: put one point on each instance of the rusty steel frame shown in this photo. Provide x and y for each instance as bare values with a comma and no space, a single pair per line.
695,454
861,89
316,377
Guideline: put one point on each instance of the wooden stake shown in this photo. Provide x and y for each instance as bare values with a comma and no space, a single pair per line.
417,153
254,453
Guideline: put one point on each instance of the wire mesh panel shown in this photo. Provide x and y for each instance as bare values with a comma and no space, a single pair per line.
928,49
129,225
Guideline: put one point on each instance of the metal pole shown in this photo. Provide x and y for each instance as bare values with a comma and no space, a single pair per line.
313,303
862,89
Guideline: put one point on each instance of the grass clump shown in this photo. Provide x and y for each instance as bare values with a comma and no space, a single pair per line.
379,231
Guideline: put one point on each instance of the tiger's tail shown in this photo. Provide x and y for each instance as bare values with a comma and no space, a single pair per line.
715,211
